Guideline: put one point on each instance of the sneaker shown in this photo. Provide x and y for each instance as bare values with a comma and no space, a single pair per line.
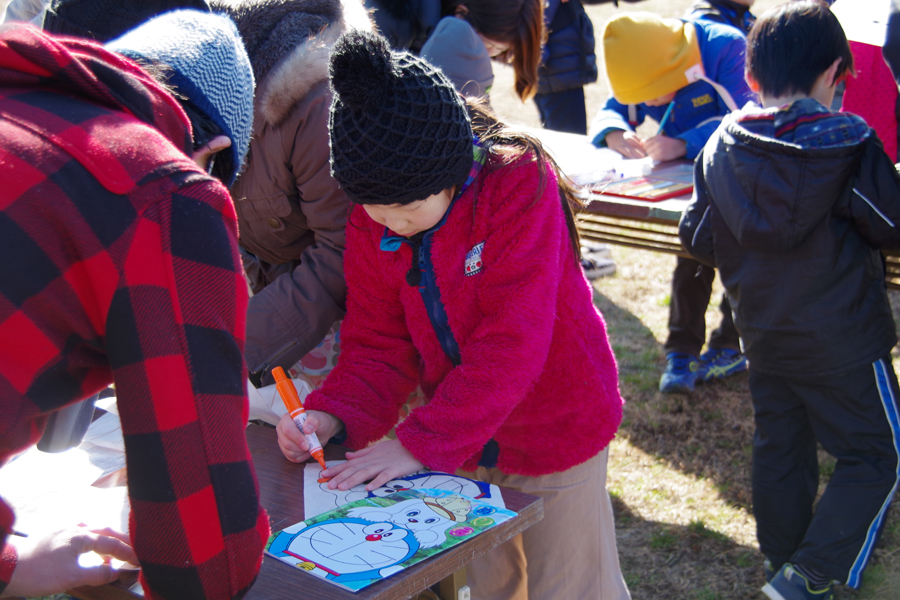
597,267
717,363
680,375
789,584
594,249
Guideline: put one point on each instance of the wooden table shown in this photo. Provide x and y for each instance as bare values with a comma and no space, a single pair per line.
281,492
654,226
635,223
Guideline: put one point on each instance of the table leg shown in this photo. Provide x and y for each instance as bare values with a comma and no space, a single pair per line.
453,586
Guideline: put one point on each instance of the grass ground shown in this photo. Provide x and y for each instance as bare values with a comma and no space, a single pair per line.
679,471
679,468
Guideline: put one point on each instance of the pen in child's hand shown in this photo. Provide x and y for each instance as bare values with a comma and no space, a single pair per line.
291,400
665,117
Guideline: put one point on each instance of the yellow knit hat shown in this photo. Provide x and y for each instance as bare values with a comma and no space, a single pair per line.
647,56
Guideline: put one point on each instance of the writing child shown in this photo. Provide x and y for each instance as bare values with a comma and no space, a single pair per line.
792,203
463,277
685,75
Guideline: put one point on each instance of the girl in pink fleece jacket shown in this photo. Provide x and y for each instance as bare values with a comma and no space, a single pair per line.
464,278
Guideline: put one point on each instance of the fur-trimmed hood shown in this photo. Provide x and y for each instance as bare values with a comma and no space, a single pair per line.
289,42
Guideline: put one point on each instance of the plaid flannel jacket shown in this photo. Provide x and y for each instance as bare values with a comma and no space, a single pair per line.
119,263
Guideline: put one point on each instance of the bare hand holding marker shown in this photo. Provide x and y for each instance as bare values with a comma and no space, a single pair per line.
291,400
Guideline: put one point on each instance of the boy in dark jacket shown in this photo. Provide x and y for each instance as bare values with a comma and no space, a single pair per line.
792,203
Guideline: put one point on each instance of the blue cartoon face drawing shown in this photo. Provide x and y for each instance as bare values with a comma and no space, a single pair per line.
347,549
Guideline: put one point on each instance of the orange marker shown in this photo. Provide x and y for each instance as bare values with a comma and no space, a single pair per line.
291,400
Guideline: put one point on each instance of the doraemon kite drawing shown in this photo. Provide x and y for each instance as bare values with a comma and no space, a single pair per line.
346,550
367,540
428,518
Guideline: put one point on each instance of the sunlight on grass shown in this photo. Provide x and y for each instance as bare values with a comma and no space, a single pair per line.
641,480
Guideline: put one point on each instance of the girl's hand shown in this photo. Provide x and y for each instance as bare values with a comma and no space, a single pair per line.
292,442
55,563
662,148
626,143
382,462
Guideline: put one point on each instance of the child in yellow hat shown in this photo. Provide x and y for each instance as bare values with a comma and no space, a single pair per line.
685,75
690,72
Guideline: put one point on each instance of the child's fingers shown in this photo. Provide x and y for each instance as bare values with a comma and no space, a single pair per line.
360,453
379,480
634,146
98,575
312,423
109,531
109,546
291,441
352,475
335,470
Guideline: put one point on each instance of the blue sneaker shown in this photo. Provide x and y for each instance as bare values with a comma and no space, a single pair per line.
680,375
717,363
789,584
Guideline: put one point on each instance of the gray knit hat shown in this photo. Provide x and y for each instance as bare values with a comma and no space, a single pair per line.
456,49
209,66
399,130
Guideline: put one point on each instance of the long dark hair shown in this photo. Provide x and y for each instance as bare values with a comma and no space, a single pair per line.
519,23
504,143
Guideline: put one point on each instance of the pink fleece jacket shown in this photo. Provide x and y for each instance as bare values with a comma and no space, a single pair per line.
537,372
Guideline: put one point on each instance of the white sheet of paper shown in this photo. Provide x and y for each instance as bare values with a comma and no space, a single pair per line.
580,160
266,404
106,432
317,498
50,491
863,21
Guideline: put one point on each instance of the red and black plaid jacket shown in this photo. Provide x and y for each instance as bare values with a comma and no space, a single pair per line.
119,263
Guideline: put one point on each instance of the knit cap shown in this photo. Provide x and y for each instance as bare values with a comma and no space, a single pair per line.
456,49
103,20
399,130
648,57
208,65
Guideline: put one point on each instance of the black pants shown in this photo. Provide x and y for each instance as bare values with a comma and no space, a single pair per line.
691,291
563,111
853,414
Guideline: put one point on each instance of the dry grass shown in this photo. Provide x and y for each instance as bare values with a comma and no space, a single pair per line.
679,470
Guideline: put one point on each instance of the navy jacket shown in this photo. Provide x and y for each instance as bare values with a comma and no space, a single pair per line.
567,59
793,223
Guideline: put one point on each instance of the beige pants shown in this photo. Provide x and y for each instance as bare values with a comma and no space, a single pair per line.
568,555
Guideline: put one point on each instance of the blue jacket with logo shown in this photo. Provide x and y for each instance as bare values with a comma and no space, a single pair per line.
699,108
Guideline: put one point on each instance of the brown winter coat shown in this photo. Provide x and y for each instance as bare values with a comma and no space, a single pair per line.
291,212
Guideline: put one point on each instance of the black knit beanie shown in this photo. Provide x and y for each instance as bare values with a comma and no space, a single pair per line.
399,130
103,20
